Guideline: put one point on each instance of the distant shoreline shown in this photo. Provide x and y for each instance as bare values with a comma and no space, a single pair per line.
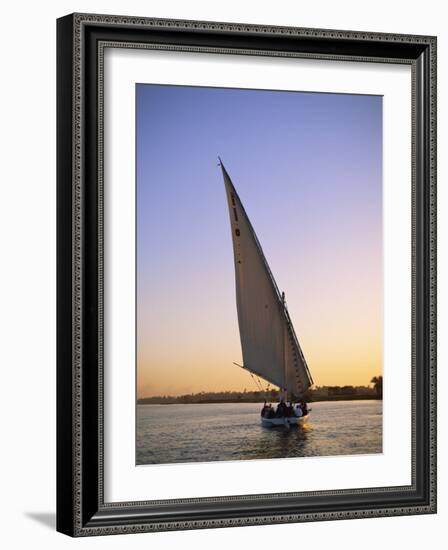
149,401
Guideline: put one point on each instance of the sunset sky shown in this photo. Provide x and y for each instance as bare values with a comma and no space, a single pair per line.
308,169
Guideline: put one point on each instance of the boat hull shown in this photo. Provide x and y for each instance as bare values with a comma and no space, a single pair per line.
283,421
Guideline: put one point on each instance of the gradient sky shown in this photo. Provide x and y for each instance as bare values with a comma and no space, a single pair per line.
308,169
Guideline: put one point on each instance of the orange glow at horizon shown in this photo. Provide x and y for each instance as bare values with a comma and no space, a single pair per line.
337,317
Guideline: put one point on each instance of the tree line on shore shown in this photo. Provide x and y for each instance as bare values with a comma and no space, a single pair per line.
318,393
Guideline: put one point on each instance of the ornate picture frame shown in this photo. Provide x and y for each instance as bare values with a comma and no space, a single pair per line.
81,506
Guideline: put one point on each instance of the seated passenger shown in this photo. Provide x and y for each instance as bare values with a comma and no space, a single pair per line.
266,408
281,409
298,412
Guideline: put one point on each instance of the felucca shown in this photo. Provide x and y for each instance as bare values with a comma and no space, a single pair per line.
269,343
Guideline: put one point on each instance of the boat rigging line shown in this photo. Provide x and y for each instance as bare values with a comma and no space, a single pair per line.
255,379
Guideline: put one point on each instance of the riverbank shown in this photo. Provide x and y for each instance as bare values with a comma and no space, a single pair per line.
174,401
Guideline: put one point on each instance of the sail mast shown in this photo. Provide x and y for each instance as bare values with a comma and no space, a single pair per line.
284,391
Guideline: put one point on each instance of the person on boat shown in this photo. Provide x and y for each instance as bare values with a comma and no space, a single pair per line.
266,410
298,411
289,410
304,407
281,409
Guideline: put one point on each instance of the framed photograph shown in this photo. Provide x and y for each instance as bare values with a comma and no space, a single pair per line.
246,274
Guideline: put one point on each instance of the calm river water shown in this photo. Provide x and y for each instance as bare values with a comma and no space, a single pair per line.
204,433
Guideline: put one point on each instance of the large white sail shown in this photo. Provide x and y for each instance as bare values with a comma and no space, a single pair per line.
268,340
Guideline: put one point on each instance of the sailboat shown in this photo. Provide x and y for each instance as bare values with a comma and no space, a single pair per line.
269,343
